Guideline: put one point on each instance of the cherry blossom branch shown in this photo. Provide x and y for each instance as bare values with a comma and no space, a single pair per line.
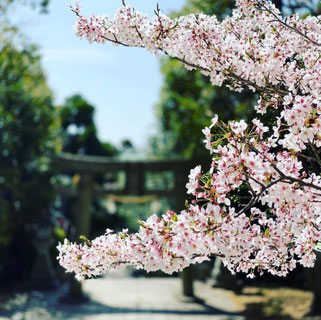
284,176
228,73
307,157
255,199
286,25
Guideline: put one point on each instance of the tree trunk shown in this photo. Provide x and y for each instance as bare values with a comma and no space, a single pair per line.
187,274
314,278
187,279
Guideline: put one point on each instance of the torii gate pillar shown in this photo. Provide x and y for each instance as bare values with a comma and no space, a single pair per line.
82,226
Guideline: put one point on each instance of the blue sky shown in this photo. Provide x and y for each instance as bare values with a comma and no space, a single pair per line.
122,83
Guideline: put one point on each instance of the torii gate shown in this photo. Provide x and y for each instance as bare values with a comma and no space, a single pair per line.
135,171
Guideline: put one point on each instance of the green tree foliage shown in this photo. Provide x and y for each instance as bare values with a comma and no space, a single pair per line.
79,129
219,8
26,120
38,4
188,101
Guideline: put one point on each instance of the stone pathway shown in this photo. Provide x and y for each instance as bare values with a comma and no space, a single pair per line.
124,298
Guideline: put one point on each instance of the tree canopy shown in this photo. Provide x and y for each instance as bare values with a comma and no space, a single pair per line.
37,4
26,140
79,129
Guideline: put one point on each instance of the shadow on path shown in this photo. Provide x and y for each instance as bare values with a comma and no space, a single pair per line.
94,307
37,305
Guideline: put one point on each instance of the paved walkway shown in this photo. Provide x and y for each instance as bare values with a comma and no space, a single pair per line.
124,298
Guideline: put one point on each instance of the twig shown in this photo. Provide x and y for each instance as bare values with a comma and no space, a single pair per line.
285,24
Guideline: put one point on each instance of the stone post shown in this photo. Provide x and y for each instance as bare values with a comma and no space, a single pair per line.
42,276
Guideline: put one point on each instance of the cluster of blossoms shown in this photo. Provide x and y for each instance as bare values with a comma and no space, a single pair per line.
259,206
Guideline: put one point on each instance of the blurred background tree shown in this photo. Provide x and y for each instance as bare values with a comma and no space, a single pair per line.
27,137
188,101
79,132
41,5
